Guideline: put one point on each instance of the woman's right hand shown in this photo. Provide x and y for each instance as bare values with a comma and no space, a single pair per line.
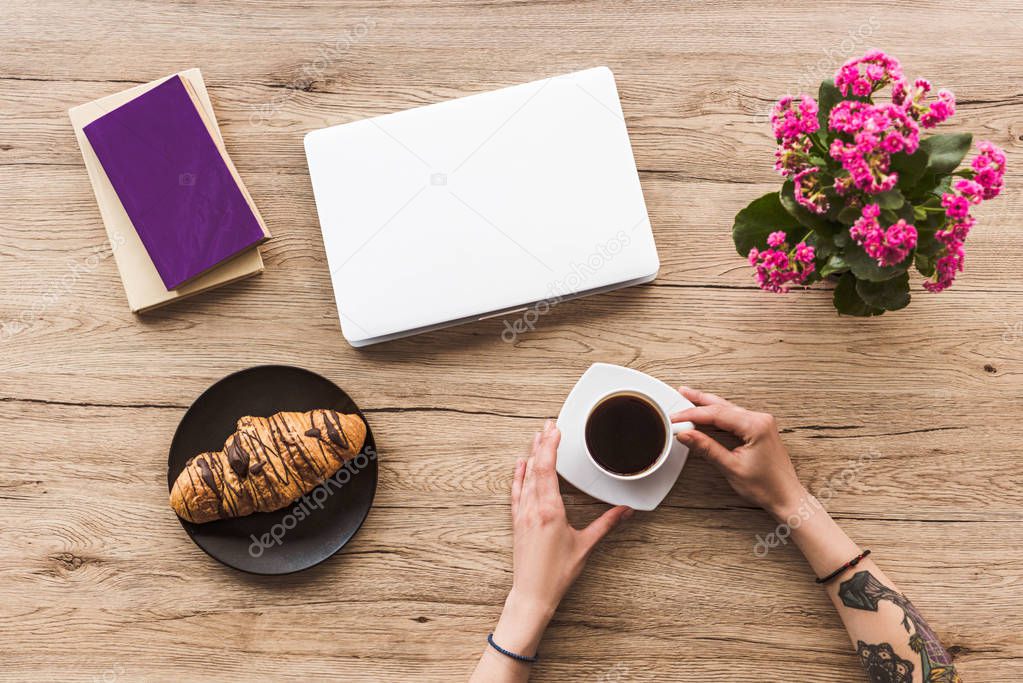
760,469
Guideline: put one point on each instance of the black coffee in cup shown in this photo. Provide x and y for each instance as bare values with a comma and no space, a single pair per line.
625,434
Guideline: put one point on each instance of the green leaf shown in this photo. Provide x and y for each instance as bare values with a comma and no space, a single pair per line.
930,219
923,188
835,264
849,215
890,295
936,181
763,216
823,246
892,199
943,186
807,219
907,213
848,302
926,244
827,97
865,268
945,152
836,203
909,167
925,264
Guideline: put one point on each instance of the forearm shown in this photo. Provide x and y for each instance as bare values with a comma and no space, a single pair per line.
519,630
892,639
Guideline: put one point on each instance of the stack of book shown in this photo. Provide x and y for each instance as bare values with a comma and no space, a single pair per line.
177,214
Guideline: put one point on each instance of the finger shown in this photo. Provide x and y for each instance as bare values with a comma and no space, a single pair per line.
545,468
533,449
723,416
705,446
516,492
602,526
529,478
702,398
545,455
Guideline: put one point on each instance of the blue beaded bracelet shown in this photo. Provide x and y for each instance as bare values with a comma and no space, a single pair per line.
506,653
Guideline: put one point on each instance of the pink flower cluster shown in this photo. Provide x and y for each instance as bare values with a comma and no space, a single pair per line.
888,246
793,120
913,100
862,136
778,268
864,75
878,131
989,170
809,190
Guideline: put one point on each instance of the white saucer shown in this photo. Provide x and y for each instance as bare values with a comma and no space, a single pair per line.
576,466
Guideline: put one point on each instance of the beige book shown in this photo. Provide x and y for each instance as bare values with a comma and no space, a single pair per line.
141,281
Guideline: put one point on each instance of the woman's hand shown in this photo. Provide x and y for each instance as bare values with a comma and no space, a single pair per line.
549,555
759,470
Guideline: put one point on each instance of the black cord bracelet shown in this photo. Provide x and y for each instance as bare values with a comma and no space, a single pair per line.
851,563
506,653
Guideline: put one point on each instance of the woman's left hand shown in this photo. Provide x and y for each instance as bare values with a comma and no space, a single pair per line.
549,553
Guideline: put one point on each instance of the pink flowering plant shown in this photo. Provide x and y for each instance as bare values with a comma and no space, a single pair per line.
866,196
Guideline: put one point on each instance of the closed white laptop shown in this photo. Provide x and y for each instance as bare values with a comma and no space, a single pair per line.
480,206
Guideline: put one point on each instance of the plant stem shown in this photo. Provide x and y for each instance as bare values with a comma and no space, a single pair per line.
805,237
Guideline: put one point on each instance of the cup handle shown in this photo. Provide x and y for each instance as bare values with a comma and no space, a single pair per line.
677,427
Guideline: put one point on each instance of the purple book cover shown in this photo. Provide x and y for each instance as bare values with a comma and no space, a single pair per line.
173,182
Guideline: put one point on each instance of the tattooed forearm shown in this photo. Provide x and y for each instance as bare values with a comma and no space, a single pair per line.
863,592
883,665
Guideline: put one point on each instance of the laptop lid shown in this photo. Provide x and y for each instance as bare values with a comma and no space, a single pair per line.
457,210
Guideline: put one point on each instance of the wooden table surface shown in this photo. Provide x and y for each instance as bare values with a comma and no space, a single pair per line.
912,422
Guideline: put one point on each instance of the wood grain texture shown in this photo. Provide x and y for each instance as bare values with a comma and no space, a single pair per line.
97,580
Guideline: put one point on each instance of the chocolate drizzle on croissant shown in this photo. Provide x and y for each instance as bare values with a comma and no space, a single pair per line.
266,464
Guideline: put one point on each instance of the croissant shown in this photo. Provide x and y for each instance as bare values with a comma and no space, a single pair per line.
266,464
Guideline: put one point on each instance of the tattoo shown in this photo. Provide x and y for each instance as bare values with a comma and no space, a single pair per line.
864,592
883,665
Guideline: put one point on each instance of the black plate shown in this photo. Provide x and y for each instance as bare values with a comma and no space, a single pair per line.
306,532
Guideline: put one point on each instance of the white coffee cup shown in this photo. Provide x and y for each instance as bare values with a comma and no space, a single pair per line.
670,430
